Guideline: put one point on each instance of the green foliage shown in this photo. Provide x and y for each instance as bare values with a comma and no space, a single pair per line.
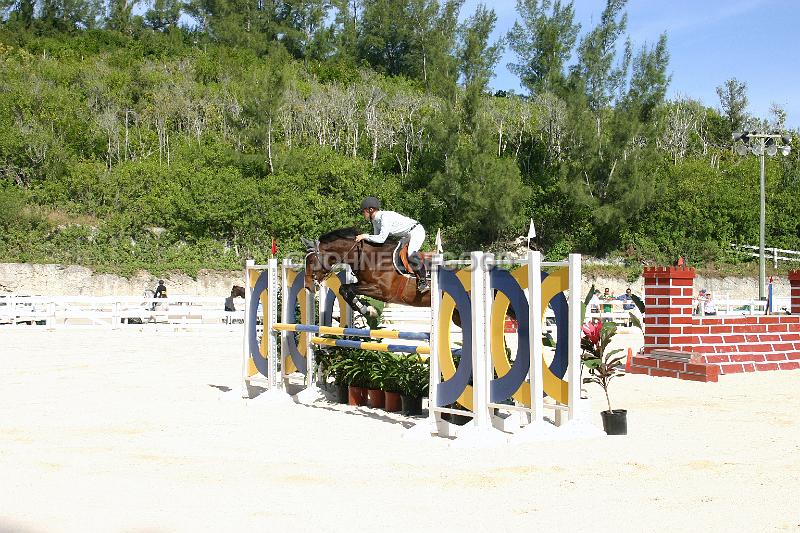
603,364
414,375
144,145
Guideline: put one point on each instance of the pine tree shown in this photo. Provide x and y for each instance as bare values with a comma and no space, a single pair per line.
543,43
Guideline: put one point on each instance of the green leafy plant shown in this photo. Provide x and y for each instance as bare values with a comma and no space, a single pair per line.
603,364
413,374
378,371
357,368
392,369
332,362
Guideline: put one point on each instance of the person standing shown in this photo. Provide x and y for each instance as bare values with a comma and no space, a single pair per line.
161,290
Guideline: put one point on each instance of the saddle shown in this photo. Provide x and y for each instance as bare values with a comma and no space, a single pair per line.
400,259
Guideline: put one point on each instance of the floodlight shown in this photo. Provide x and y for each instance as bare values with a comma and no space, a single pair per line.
737,135
787,139
757,149
772,149
785,149
741,149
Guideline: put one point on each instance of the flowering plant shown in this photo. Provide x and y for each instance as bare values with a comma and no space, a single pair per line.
603,367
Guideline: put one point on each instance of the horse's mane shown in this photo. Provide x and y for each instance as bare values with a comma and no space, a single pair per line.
350,235
341,233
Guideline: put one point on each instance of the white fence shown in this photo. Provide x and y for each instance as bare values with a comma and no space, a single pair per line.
114,312
776,254
751,306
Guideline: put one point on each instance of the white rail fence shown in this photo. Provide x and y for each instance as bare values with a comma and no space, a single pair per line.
113,312
776,254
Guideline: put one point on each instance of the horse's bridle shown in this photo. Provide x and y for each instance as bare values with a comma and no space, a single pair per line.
329,272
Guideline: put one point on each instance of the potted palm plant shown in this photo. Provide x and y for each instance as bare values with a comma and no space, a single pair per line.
334,365
377,372
357,374
391,382
604,365
414,377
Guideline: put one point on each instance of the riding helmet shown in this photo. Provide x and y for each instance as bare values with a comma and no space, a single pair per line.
370,202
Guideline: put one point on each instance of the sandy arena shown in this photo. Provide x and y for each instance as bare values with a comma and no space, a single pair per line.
130,431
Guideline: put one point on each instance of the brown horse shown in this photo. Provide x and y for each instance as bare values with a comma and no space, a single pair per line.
371,263
237,291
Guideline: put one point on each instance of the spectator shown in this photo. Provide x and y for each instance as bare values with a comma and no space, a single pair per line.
701,300
161,290
627,300
607,297
710,306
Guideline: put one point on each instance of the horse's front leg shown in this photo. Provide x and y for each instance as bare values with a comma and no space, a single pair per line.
348,292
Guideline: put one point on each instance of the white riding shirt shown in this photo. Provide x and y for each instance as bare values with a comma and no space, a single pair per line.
390,224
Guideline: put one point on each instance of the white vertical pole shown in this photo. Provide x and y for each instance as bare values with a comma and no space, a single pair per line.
433,357
535,334
284,316
247,325
115,316
310,299
573,370
346,314
479,336
270,312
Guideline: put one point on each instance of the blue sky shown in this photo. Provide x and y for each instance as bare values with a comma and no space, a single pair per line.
710,41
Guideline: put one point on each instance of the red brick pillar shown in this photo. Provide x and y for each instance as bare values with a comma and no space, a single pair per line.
668,304
794,280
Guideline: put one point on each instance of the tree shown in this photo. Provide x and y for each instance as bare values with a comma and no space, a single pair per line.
18,11
384,39
467,185
648,84
247,23
543,43
596,53
66,15
119,15
414,38
733,101
163,15
304,32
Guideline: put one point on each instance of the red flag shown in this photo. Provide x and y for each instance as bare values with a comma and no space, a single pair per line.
274,248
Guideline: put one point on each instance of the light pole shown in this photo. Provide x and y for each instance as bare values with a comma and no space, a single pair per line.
761,144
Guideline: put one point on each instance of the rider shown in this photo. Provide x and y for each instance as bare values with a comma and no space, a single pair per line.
390,224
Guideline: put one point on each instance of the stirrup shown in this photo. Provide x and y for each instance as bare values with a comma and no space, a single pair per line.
423,285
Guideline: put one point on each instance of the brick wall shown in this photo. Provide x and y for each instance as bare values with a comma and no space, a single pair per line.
731,344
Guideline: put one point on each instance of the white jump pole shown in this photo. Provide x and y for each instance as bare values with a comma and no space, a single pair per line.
481,432
535,318
573,370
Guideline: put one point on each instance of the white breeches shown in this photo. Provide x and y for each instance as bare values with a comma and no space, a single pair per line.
416,238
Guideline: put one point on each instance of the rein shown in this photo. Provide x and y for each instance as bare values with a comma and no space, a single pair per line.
329,273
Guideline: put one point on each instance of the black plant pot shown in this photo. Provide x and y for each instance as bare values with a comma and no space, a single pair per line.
411,405
458,420
615,422
341,393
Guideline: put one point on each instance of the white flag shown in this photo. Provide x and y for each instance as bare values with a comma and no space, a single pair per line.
531,231
439,248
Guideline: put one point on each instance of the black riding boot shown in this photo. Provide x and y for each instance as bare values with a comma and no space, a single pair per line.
418,266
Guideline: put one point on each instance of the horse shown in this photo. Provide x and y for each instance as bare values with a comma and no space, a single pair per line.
237,291
372,264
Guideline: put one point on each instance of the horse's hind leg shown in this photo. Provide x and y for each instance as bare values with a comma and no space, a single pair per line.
349,294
